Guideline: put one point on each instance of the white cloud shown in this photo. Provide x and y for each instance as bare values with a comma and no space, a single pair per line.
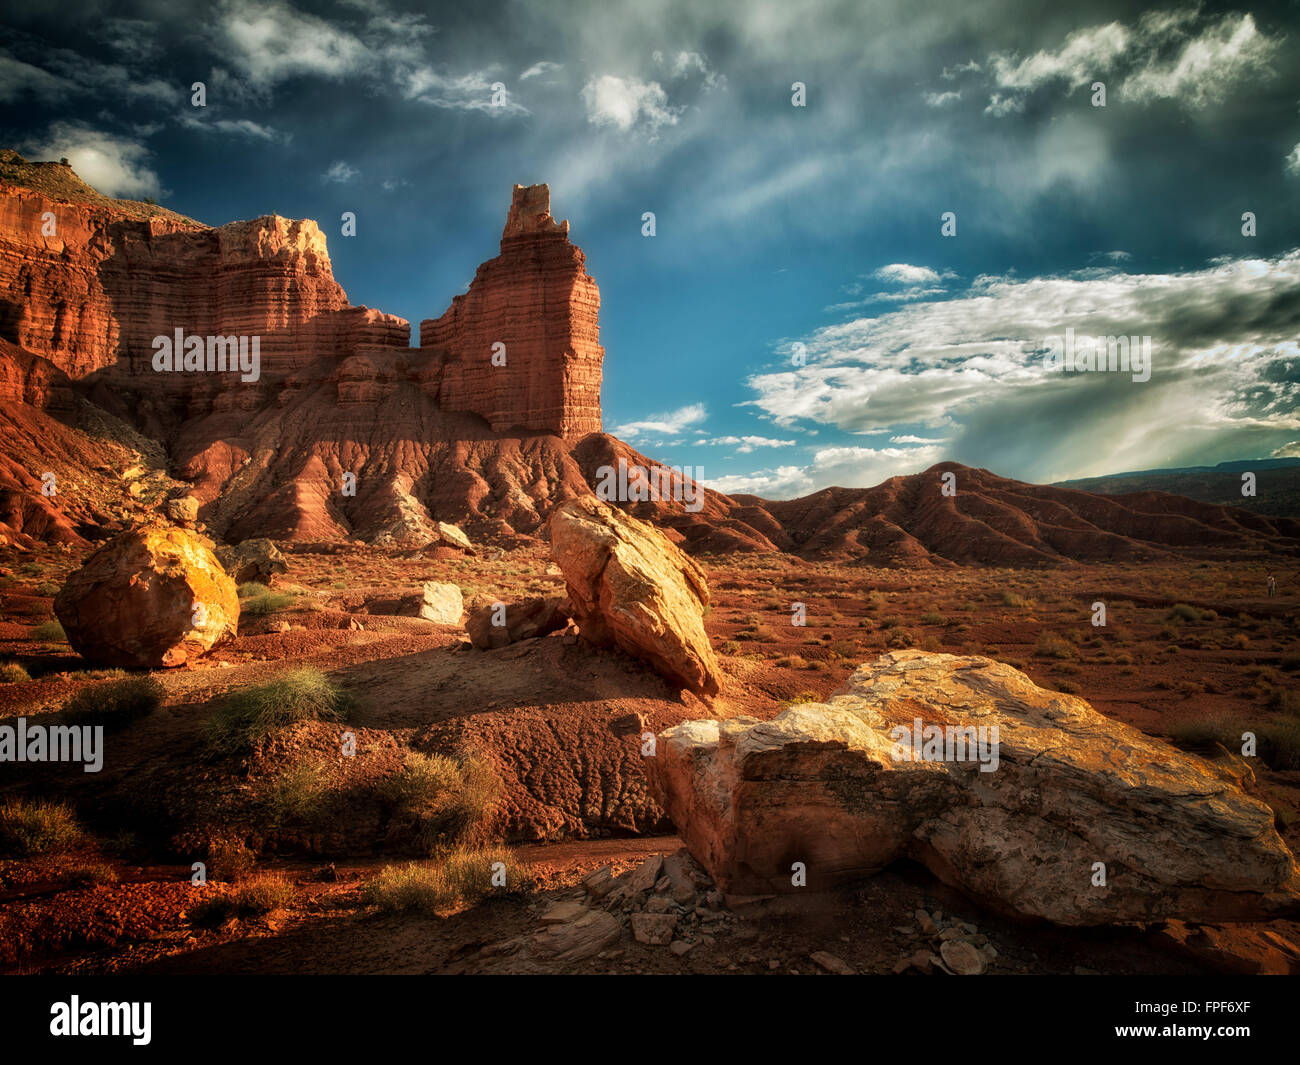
1292,161
846,467
905,274
1225,369
114,165
537,70
1084,54
939,99
625,103
669,423
271,42
1173,55
1208,68
340,172
239,127
743,444
913,440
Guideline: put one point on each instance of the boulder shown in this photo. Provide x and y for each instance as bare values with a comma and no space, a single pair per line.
183,510
441,603
633,588
521,621
252,560
1064,815
451,536
135,602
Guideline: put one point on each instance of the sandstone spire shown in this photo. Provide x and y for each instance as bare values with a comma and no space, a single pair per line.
537,299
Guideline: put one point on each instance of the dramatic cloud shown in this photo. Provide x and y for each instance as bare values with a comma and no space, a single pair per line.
114,165
626,103
1225,371
1165,56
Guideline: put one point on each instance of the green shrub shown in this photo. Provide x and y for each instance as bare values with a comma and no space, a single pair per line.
299,795
1183,612
448,799
49,588
35,826
250,589
270,603
13,673
250,715
115,703
229,859
461,876
252,898
49,632
1012,599
1052,646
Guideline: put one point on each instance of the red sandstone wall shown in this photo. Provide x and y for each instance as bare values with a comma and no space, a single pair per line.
536,298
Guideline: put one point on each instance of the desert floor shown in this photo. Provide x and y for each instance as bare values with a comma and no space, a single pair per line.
1191,652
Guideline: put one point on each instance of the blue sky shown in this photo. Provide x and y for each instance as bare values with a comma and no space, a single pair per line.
776,225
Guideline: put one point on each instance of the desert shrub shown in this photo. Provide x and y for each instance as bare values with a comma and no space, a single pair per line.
298,795
792,662
86,874
1068,669
461,876
1015,663
1013,599
252,898
1207,731
50,632
252,589
49,588
1051,646
35,826
890,623
931,643
250,715
845,648
449,799
933,618
1183,612
899,639
229,859
13,673
1067,686
1188,688
1124,659
729,647
1279,743
269,603
1163,685
115,703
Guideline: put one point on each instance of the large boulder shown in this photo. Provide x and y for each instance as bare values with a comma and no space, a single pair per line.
1063,814
632,587
498,624
154,596
252,560
441,603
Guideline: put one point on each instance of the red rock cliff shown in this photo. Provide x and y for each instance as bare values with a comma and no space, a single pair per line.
537,299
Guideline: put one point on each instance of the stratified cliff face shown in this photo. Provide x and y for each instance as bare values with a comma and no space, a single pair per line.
90,290
537,300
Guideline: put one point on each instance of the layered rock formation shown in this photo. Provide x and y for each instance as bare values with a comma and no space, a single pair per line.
1062,814
349,433
631,587
537,300
153,597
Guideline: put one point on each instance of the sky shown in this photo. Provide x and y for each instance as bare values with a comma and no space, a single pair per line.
835,293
